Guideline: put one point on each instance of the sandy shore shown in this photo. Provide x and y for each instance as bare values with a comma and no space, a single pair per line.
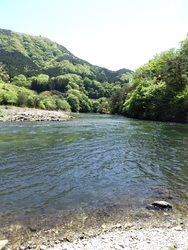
11,113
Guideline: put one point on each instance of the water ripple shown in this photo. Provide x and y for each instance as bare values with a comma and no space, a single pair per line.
89,162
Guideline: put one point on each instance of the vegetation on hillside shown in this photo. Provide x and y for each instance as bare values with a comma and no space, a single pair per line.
158,90
36,72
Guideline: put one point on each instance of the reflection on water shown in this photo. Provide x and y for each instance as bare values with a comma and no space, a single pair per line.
93,163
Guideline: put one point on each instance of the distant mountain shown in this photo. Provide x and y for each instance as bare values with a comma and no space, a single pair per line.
32,55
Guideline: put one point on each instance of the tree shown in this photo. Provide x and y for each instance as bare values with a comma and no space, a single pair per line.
3,73
103,107
73,102
160,88
116,101
95,106
85,103
61,83
20,80
22,99
40,83
7,97
63,105
31,101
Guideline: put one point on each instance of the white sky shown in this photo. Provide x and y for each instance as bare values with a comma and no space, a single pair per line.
110,33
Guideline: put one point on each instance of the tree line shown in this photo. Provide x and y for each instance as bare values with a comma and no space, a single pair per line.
68,92
158,90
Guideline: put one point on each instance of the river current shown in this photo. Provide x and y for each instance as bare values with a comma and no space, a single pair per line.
91,163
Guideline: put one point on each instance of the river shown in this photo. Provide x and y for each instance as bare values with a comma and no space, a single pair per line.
100,165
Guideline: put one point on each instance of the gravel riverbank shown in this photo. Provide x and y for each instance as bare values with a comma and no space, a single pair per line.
11,113
148,235
143,239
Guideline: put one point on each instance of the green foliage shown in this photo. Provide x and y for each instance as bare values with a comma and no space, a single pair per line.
37,72
57,78
8,97
20,81
78,101
120,92
73,102
22,99
53,101
116,101
100,106
34,55
40,83
147,100
13,95
126,78
96,89
95,106
161,88
63,105
3,73
85,103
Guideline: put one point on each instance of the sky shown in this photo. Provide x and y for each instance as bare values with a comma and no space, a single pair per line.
113,34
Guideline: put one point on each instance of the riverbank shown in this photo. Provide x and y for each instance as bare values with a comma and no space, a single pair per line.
17,114
150,229
143,239
155,234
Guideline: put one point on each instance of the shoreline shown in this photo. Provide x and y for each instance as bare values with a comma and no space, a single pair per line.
133,235
159,229
24,114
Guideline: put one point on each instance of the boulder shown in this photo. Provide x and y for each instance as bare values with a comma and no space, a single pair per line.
162,204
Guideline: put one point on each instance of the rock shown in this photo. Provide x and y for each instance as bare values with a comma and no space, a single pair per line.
20,115
3,243
43,247
121,245
22,247
128,226
178,228
162,204
118,225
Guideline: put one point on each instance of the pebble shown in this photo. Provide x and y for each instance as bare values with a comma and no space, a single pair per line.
143,239
3,243
43,247
178,228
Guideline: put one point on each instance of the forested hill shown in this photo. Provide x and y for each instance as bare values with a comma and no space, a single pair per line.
38,73
158,89
34,55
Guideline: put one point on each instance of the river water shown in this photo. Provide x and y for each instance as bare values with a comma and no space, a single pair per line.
94,164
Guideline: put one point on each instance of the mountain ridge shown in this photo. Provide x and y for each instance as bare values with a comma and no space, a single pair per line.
31,55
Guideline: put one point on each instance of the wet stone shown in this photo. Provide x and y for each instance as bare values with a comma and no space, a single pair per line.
162,204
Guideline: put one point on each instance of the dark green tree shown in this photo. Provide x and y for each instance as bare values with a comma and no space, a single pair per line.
73,102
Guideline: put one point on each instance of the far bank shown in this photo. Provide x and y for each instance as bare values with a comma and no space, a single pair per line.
12,113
